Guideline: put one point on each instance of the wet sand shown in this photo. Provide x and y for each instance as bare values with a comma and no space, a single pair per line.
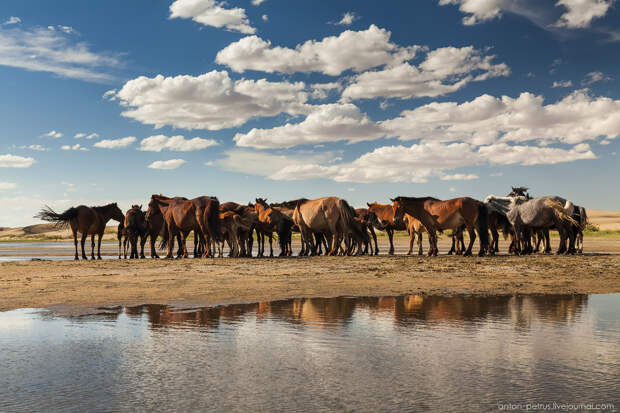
85,286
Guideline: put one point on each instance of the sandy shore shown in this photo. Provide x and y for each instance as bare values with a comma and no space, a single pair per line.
84,286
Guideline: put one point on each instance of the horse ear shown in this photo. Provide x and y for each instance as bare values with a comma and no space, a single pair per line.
368,203
392,199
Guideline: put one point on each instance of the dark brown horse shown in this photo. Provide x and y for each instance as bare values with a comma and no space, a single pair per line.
135,227
85,220
451,214
271,218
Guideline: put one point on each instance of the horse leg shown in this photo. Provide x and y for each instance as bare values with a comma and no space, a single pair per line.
142,242
494,240
390,233
99,237
270,235
432,241
472,238
374,238
92,246
420,252
82,242
453,248
75,243
411,241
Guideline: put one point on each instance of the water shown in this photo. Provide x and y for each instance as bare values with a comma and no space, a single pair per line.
413,353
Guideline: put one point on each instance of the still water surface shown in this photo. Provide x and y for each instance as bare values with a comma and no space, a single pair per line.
413,353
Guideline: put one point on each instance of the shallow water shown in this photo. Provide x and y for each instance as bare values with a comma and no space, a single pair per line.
413,353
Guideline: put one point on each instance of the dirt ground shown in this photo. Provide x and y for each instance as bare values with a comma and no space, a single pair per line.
78,287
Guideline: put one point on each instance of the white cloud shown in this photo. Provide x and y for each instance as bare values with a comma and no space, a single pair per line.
210,101
7,185
562,83
348,18
265,17
169,164
576,118
445,70
14,161
594,77
580,13
459,177
420,162
52,134
76,147
576,13
39,148
355,50
43,50
178,143
212,13
265,163
497,174
12,20
115,143
109,95
257,2
327,123
86,136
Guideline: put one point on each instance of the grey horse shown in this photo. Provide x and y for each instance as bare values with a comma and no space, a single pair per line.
539,213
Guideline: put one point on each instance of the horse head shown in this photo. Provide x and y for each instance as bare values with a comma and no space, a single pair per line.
519,191
399,212
116,213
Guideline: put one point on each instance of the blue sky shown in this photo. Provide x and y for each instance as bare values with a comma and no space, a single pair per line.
116,100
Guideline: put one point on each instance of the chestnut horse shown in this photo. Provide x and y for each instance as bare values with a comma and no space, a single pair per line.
271,218
385,215
85,220
451,214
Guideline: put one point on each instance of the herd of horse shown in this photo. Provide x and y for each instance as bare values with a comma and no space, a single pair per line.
327,225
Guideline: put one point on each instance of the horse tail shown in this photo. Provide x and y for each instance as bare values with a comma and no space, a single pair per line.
483,225
347,214
583,218
505,224
559,212
213,219
60,220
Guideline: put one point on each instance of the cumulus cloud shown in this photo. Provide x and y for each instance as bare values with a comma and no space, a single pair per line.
351,50
347,19
12,20
327,123
420,162
594,77
562,83
257,2
445,70
76,147
158,143
52,134
4,186
169,164
14,161
576,118
580,13
115,143
210,101
54,51
213,13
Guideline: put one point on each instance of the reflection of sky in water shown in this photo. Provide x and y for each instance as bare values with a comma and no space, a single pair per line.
444,353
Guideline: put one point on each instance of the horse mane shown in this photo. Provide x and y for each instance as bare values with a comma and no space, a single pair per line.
104,207
289,204
415,199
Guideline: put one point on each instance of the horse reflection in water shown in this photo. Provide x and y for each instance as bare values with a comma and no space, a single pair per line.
411,310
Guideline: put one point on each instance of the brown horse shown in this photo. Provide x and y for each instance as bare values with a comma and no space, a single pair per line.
288,209
451,214
385,215
414,227
277,221
85,220
135,227
249,220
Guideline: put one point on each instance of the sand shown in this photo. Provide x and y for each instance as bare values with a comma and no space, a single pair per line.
84,286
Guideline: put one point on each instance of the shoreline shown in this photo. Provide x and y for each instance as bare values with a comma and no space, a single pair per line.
87,286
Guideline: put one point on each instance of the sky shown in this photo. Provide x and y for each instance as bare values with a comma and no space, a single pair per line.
112,101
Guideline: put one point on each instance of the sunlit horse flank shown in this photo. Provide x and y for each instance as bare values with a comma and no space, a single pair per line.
450,214
85,220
